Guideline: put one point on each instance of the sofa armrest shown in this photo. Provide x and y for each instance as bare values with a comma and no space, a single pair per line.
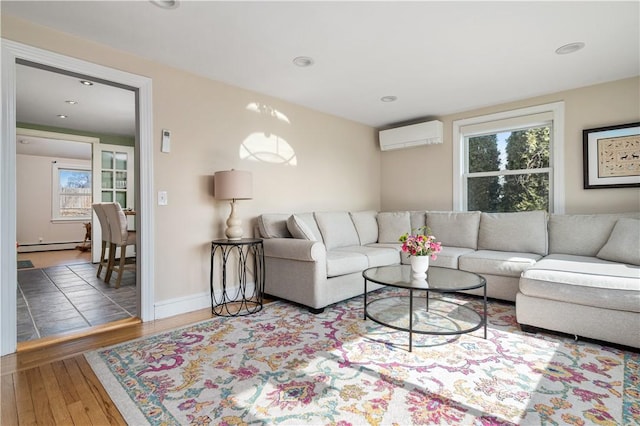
295,249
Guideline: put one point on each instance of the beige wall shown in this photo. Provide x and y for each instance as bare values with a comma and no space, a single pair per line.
33,210
590,107
338,162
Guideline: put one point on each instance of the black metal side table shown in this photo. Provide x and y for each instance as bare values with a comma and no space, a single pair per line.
241,299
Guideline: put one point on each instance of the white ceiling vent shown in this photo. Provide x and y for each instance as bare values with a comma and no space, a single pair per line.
427,133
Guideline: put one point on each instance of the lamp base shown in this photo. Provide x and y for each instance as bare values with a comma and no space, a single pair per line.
234,225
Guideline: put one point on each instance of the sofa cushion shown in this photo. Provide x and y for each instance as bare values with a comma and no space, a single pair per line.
509,264
345,262
376,256
455,229
584,280
581,235
624,243
524,232
366,225
391,225
448,257
417,219
337,229
273,225
303,226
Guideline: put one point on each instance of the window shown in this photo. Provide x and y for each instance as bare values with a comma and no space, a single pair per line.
508,161
71,198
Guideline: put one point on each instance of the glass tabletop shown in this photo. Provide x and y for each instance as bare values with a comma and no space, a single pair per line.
438,279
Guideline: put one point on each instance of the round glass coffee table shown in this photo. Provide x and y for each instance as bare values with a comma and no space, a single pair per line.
434,315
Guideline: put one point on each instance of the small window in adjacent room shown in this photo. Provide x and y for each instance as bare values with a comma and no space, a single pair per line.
510,161
71,198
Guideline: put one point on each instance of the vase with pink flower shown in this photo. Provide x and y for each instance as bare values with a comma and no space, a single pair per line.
421,246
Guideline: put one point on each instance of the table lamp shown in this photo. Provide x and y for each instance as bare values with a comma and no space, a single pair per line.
233,185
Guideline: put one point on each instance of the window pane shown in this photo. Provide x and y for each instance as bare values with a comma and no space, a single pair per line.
75,193
121,161
121,197
528,149
107,160
510,150
121,180
526,192
107,196
510,193
70,180
107,180
484,155
484,193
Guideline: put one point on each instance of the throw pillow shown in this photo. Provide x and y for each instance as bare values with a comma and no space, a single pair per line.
273,225
299,229
624,243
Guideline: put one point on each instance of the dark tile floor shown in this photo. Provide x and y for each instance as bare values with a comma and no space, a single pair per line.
67,298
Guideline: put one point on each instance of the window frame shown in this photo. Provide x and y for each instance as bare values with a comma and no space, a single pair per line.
55,191
506,121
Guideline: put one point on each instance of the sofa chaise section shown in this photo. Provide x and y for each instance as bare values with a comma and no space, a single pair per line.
589,285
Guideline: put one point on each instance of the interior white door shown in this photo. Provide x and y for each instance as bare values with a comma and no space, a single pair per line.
113,180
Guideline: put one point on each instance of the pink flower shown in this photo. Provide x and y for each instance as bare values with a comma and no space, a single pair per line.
420,243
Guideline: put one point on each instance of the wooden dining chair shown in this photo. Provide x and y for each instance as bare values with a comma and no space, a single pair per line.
121,237
105,231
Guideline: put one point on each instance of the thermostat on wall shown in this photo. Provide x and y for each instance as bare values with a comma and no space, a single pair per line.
166,140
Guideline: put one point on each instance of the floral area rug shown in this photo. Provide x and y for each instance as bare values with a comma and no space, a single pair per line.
285,365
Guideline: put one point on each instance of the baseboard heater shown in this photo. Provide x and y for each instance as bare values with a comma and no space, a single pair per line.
27,248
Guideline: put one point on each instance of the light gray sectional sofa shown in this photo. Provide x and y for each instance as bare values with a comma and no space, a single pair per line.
577,274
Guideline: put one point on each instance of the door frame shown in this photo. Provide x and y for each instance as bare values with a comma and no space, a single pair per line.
12,51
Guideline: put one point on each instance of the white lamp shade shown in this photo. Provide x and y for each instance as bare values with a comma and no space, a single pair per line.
233,185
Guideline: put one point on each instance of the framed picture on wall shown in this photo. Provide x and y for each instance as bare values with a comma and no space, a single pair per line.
611,156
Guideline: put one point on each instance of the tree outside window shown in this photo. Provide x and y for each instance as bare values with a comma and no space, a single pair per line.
509,170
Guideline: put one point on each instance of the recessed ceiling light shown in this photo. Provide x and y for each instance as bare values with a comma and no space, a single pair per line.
86,82
303,61
570,48
389,98
165,4
62,116
70,102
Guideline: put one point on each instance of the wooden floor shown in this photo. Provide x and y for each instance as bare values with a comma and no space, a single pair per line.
56,385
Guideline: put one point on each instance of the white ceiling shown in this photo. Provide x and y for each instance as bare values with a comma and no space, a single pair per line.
46,147
41,96
437,57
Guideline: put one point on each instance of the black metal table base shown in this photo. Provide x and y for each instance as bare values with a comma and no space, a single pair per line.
241,299
482,323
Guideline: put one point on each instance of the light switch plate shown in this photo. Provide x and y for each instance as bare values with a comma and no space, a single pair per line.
163,198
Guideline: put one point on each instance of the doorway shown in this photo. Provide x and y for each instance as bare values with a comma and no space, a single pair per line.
13,53
59,176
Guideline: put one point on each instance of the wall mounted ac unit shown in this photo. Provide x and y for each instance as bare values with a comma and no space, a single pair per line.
427,133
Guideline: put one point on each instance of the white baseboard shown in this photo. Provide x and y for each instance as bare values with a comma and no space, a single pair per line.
186,304
48,247
181,305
